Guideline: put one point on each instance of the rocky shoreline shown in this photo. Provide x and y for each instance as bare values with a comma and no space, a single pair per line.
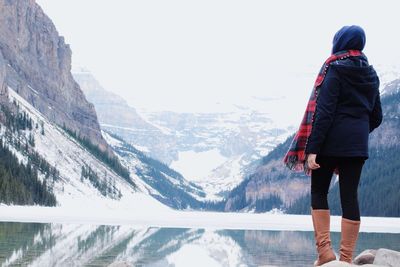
370,257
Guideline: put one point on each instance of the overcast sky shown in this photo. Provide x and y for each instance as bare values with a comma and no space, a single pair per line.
206,55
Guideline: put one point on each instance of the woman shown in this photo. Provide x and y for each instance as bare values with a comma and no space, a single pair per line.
343,109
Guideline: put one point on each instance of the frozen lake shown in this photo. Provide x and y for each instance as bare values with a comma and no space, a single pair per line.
69,244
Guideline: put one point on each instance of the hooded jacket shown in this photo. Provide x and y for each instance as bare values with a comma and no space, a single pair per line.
348,104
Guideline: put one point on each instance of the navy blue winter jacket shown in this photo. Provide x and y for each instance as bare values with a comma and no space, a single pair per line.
348,109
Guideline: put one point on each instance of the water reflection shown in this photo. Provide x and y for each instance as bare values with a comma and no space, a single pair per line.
33,244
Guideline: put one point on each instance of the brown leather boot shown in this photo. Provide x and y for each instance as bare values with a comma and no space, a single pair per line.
321,222
348,242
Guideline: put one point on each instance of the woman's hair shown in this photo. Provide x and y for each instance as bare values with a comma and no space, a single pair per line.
349,38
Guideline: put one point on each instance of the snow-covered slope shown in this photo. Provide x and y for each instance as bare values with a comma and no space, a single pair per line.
73,192
387,73
160,181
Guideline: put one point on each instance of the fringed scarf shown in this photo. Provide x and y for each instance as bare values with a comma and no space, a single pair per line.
295,158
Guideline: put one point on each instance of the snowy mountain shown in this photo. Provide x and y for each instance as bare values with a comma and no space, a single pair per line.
215,150
51,138
84,178
53,151
157,179
36,62
212,150
387,74
56,154
104,189
391,87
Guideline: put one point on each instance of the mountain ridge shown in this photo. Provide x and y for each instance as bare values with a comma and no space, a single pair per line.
36,63
224,142
62,147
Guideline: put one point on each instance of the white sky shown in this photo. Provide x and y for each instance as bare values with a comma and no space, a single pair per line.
205,55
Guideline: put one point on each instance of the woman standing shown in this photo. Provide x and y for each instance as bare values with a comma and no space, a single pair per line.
343,109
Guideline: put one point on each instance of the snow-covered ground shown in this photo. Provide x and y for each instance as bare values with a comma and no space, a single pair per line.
144,214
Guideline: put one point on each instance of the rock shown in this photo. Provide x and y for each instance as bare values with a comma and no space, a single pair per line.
336,264
38,67
387,257
344,264
3,87
365,257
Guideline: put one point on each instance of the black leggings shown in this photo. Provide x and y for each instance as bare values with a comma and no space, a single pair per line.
349,177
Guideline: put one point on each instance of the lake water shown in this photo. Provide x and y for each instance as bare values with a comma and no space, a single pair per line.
44,244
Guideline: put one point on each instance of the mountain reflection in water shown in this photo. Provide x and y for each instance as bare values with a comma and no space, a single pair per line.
36,244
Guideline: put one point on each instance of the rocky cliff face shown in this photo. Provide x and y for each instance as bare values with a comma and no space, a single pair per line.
111,109
116,116
3,87
37,64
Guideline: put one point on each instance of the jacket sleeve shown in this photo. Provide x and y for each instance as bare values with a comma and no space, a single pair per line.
325,111
375,119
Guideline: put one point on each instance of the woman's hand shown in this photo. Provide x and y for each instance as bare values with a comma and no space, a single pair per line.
312,164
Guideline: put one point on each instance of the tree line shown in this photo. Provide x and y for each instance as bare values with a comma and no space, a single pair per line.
19,183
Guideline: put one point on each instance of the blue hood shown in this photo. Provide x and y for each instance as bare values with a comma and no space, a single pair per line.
349,38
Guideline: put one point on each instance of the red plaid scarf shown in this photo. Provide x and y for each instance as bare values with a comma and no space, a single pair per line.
295,158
